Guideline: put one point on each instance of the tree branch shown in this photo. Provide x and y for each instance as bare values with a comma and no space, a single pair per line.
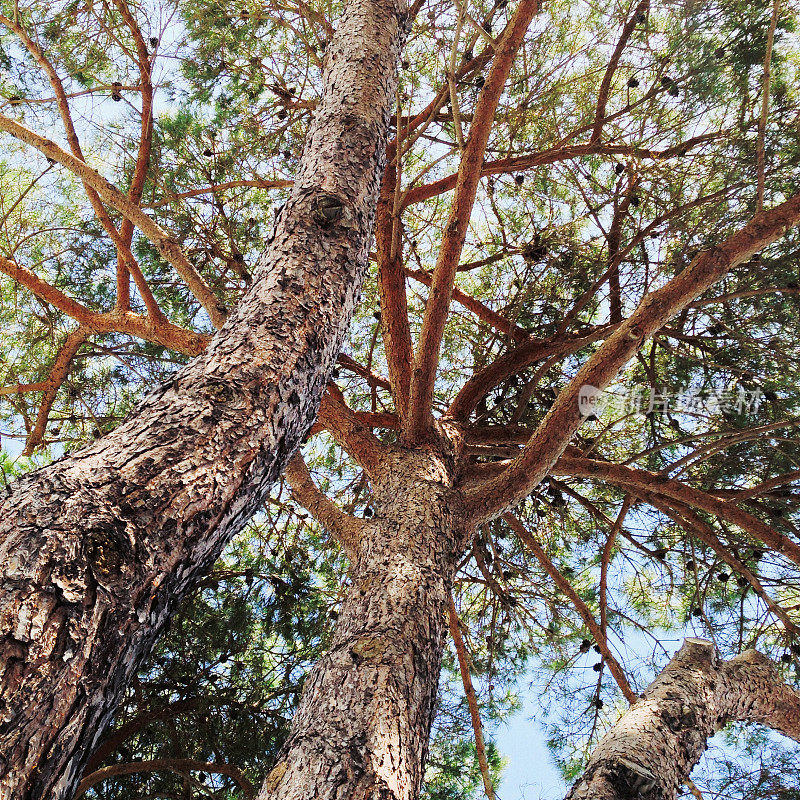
181,766
605,85
656,308
167,246
694,525
427,357
651,751
343,424
583,610
632,479
472,700
346,529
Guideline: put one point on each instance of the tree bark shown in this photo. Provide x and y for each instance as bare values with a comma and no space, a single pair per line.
650,752
362,727
99,548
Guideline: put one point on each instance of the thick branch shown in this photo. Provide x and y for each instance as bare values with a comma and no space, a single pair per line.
655,309
427,357
116,321
651,751
183,766
630,478
392,288
348,431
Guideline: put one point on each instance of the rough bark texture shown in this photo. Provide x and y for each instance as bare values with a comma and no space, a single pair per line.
99,548
362,727
650,752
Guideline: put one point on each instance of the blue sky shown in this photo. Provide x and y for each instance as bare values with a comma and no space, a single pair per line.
530,774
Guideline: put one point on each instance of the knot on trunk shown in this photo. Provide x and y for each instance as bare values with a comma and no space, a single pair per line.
633,781
367,648
329,209
109,554
678,716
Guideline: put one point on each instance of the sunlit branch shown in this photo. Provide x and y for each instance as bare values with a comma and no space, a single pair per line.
655,309
613,63
472,700
481,311
356,438
346,529
427,356
683,516
583,610
117,321
631,479
165,244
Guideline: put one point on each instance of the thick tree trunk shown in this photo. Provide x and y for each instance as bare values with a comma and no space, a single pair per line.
362,727
650,752
98,549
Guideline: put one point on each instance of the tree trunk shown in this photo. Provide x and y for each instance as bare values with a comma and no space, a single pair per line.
99,548
362,727
650,752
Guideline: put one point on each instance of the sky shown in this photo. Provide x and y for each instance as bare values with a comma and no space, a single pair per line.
530,774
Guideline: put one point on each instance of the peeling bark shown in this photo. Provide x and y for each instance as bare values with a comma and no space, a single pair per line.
99,548
362,727
650,752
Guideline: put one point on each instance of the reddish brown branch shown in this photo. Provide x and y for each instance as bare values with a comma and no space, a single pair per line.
552,156
481,311
427,357
142,155
522,356
472,700
655,309
165,244
583,610
392,288
608,77
346,529
58,373
343,424
117,321
181,766
683,516
634,479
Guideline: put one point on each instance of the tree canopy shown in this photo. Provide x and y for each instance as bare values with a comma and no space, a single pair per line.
629,142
